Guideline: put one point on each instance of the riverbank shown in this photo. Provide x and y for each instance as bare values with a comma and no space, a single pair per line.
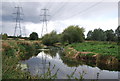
94,52
12,52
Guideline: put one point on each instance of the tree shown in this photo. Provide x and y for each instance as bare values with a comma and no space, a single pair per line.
33,36
99,35
110,35
50,39
117,32
73,34
0,36
89,35
4,36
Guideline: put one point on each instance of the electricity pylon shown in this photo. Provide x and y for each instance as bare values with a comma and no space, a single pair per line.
44,31
44,21
18,21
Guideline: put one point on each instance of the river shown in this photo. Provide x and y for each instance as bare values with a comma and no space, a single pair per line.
53,59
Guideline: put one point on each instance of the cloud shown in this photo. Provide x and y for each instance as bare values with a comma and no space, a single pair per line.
91,25
60,11
37,27
89,15
8,27
60,0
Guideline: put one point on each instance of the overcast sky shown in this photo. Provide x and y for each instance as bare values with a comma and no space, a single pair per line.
89,15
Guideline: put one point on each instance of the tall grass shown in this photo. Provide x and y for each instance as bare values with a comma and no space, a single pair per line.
14,51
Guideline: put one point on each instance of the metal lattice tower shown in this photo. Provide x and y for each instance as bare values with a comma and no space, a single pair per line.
44,63
44,21
18,22
24,31
44,31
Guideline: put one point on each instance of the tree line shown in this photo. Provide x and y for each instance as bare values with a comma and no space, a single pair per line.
101,35
73,34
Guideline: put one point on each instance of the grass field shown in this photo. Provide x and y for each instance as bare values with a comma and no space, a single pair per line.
103,48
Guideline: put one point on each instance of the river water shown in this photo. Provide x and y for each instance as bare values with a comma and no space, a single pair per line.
53,60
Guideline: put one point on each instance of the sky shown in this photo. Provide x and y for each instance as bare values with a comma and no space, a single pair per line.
89,14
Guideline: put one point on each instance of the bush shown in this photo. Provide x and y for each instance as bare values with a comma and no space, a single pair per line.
50,39
8,50
4,36
12,53
73,34
33,36
26,50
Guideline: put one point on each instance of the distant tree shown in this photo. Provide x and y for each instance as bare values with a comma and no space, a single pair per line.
117,32
4,36
33,36
110,35
59,37
99,35
50,38
73,34
89,35
1,36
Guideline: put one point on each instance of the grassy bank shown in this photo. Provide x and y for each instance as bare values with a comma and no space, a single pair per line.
95,53
95,47
12,52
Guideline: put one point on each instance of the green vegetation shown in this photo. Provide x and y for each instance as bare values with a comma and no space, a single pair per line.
73,34
117,32
50,39
81,76
12,53
94,53
103,48
91,52
33,36
100,35
97,34
110,35
4,36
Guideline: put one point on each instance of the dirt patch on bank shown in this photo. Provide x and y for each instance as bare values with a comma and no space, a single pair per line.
72,53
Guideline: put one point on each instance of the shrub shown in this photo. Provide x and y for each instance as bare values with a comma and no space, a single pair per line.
73,34
33,36
8,50
50,39
4,36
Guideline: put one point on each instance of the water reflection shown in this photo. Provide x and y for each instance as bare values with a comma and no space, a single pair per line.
106,64
67,66
51,52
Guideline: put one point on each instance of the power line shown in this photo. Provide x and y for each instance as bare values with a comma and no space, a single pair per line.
18,21
85,10
63,7
80,12
58,10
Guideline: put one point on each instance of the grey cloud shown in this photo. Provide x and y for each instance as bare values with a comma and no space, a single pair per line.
8,27
58,10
